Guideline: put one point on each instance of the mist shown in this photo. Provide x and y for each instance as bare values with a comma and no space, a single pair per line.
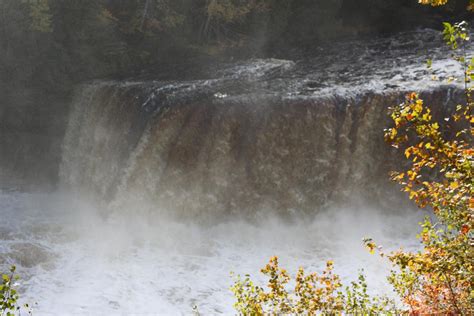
150,148
82,262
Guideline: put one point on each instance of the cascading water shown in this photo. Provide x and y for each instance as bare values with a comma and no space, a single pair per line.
223,155
167,186
239,144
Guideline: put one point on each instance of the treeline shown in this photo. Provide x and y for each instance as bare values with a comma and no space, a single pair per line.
48,46
50,41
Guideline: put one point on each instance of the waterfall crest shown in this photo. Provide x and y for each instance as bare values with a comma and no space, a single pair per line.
263,134
214,155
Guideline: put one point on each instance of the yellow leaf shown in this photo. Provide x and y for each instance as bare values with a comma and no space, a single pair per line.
393,133
397,121
407,153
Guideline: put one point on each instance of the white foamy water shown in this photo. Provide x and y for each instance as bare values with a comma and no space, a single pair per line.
73,261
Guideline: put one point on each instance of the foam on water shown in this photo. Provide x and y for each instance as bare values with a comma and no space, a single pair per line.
135,264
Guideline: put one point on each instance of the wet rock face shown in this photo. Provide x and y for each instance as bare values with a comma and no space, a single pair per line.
31,131
29,255
286,136
221,156
26,255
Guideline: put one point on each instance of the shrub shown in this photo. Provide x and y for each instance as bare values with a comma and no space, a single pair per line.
9,296
439,278
312,294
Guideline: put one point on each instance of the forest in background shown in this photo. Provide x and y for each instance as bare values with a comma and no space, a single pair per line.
52,43
435,280
49,46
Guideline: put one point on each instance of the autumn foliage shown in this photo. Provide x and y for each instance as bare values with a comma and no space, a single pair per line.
438,279
312,294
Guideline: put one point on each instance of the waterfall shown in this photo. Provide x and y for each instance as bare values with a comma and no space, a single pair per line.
203,149
165,186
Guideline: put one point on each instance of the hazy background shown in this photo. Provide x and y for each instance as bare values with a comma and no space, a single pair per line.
47,47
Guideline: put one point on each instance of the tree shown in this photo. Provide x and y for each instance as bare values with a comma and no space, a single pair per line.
9,296
312,294
434,3
438,279
40,14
